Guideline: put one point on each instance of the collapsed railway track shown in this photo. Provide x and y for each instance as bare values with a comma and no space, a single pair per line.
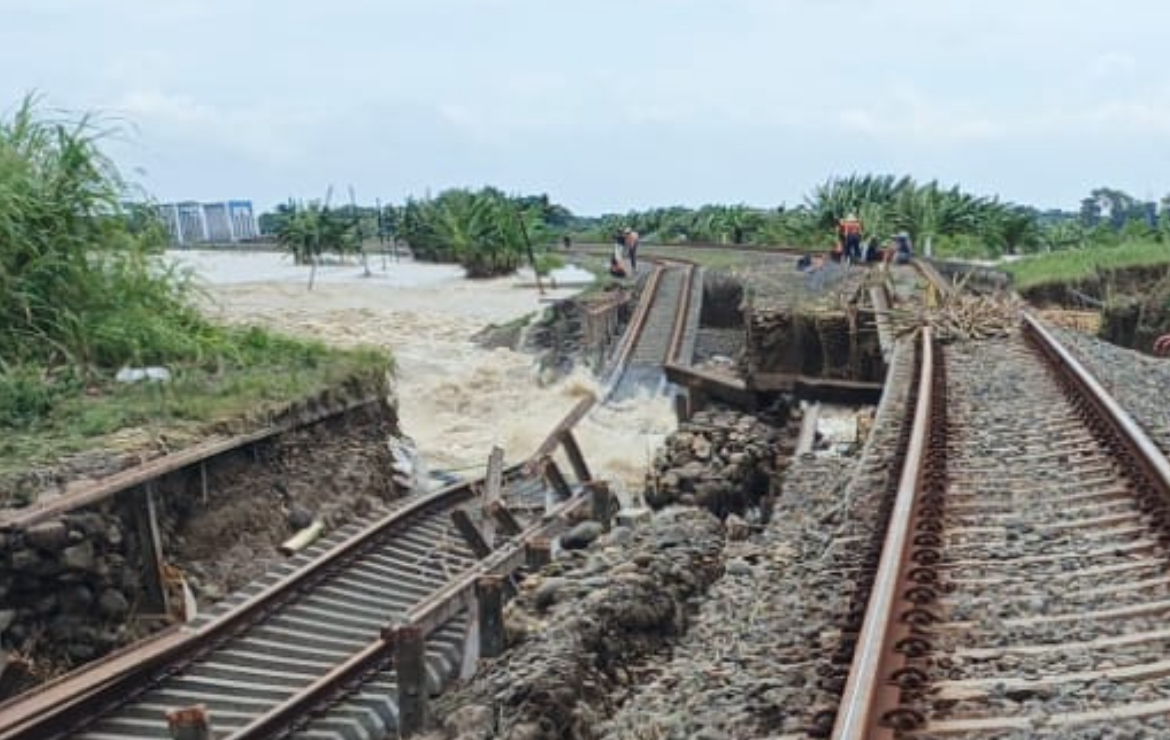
317,648
1024,581
348,638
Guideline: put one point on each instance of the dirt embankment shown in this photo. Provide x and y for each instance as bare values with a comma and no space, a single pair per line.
1133,303
76,585
335,470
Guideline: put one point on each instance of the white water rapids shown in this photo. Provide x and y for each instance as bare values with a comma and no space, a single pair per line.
455,399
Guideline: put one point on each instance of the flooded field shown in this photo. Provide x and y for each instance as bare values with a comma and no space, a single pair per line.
456,400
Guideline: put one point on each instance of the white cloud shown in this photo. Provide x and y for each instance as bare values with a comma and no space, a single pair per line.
256,131
402,92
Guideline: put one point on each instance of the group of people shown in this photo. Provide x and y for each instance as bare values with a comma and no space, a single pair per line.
899,250
624,261
852,248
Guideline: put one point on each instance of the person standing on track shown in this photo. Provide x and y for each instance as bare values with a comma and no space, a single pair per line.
618,260
632,249
849,232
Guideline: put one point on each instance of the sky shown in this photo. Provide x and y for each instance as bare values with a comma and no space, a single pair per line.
606,105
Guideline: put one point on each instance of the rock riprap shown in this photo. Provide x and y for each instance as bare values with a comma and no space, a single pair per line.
583,628
724,461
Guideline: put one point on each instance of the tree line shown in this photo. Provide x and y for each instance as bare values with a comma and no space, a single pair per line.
492,233
486,231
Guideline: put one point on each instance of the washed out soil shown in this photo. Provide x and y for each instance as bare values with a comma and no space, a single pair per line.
1129,307
336,471
221,525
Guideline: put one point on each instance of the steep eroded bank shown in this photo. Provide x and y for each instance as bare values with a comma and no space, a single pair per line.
76,584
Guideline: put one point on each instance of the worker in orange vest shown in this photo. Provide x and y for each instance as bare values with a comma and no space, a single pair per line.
849,232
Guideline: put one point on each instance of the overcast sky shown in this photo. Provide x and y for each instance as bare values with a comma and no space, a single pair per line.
608,105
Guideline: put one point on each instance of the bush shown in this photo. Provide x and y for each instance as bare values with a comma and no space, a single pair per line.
25,397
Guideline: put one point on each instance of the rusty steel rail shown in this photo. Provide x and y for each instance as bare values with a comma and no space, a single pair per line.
103,684
598,248
1145,453
933,276
564,429
636,329
869,709
63,704
866,691
683,316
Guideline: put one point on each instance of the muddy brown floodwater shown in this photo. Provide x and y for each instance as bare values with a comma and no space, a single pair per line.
456,400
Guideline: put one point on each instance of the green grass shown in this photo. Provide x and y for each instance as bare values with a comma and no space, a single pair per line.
1078,264
260,373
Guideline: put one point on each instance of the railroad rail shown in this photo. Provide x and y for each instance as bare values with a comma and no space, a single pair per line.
348,638
661,330
1024,582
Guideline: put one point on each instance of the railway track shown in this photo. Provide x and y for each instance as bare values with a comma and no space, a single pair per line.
346,639
1024,583
662,329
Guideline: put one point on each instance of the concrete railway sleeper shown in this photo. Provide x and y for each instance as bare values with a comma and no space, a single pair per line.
347,639
1025,579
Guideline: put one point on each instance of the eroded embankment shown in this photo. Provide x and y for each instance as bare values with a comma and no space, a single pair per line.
76,584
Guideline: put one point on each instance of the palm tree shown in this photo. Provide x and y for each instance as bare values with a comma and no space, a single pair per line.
300,232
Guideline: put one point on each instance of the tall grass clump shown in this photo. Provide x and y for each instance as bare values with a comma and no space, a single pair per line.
84,291
79,290
77,286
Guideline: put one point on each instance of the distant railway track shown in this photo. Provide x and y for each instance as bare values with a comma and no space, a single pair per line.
661,330
1024,582
658,249
319,647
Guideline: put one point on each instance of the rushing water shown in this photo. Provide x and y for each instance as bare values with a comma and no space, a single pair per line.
456,400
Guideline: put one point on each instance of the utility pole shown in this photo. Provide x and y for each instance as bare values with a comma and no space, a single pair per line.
381,232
